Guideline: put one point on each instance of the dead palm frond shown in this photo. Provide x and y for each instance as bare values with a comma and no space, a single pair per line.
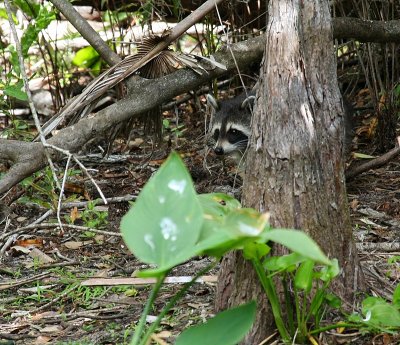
144,63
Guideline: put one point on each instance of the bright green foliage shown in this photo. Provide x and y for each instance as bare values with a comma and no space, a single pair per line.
3,14
396,296
29,7
16,91
164,225
87,57
227,328
379,315
42,20
304,276
169,223
300,243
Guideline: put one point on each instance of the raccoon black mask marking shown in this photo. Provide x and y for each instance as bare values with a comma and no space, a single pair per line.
230,124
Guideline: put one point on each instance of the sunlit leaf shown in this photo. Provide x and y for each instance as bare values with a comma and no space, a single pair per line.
298,242
227,328
16,92
85,57
163,226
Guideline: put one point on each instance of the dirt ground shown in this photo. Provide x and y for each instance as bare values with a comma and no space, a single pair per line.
46,296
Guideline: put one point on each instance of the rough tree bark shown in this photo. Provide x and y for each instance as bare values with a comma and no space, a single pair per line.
294,166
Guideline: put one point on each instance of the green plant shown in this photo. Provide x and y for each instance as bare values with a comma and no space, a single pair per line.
41,189
93,218
170,223
378,315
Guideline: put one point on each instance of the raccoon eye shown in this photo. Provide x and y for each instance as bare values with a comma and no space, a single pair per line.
216,134
236,136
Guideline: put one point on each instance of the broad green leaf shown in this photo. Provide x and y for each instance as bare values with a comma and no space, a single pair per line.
298,242
304,276
227,328
85,57
215,208
16,92
246,222
164,224
379,313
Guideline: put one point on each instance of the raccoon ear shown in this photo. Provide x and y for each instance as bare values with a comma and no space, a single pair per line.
212,101
248,102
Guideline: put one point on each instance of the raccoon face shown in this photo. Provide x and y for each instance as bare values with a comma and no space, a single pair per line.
230,124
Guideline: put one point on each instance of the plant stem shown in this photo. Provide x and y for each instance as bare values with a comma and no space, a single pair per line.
338,325
172,302
267,284
140,326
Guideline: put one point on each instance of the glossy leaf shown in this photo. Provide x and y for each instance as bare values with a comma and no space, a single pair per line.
164,225
298,242
227,328
85,57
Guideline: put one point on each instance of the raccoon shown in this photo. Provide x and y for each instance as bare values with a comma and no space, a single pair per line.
230,124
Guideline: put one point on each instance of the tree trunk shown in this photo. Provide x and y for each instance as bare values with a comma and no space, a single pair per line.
294,166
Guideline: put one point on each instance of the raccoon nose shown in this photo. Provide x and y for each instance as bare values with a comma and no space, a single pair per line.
219,150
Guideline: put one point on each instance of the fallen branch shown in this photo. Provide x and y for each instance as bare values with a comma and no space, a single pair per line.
373,164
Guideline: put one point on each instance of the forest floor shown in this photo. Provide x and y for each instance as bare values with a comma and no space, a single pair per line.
65,287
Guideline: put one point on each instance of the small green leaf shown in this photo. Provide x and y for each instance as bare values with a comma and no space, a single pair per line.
396,296
85,57
333,300
329,272
287,262
164,225
42,21
3,14
227,328
298,242
216,205
16,92
221,234
304,276
362,155
255,251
